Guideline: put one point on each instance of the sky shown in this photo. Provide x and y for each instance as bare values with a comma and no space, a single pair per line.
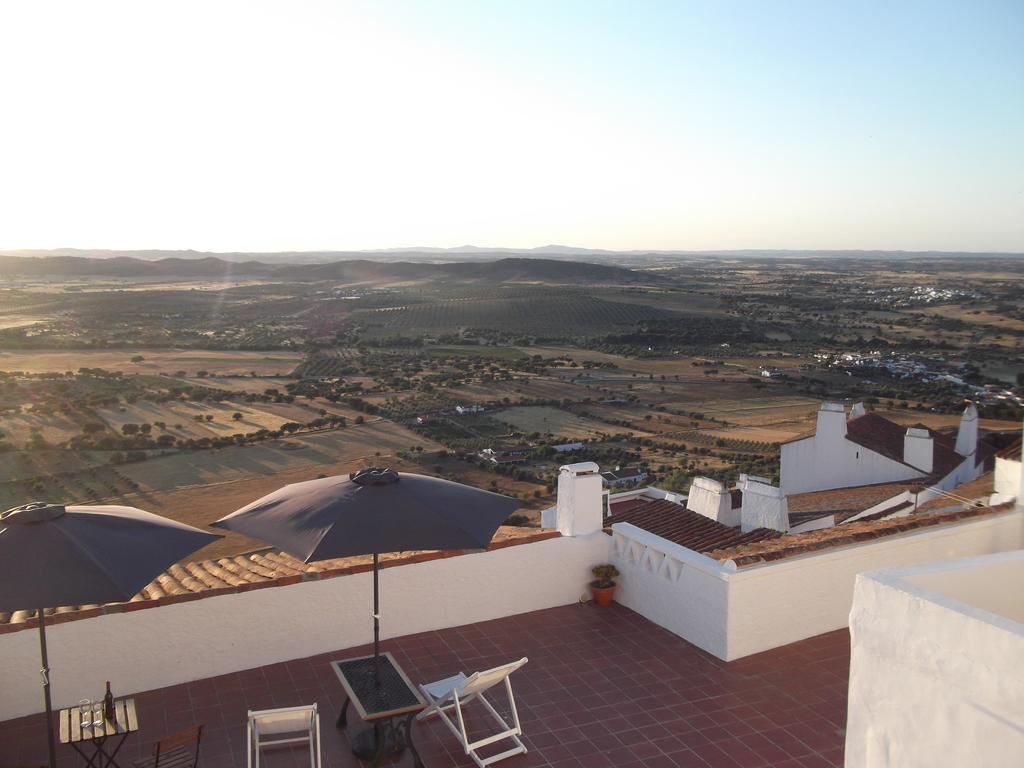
330,125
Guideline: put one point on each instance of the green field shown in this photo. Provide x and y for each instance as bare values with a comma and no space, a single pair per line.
547,420
541,312
491,353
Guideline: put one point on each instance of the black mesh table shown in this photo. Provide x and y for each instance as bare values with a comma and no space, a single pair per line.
390,703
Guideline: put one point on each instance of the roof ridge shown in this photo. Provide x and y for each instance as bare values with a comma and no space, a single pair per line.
792,544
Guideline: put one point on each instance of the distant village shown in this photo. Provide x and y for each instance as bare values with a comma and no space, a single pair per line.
924,369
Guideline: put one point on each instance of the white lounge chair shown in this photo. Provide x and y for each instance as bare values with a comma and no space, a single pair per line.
453,693
290,725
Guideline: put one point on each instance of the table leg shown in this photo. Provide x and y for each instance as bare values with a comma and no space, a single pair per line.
110,758
417,762
379,738
90,762
343,716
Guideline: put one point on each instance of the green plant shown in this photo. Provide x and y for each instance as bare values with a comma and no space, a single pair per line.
604,575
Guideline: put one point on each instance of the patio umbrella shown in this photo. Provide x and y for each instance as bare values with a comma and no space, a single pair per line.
51,555
370,512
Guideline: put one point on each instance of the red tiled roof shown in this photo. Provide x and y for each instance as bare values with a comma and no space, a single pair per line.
683,526
791,545
190,581
887,511
980,488
878,434
1012,451
807,506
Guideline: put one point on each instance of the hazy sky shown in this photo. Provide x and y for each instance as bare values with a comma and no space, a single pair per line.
300,124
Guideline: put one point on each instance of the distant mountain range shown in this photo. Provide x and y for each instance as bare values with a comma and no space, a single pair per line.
476,253
350,270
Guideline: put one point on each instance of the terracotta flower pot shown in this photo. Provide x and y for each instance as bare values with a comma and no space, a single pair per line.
602,595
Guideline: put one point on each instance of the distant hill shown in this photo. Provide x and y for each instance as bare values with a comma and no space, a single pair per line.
472,253
127,266
501,269
351,270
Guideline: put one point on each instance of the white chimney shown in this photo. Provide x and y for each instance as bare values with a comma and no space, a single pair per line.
764,506
579,509
857,410
712,499
831,422
967,435
918,450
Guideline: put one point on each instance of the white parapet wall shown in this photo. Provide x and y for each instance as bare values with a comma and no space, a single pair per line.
799,597
165,645
682,590
937,665
1008,478
733,613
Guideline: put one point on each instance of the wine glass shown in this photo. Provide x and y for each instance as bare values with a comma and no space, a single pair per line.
85,712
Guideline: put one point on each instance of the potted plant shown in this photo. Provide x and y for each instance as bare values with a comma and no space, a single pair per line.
603,585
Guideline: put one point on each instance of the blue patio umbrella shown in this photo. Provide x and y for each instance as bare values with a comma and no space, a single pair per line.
52,556
367,513
370,512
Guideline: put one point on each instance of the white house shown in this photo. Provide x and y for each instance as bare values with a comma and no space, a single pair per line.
567,447
623,476
866,449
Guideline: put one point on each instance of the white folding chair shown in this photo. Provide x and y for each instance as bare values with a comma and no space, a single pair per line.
453,693
290,725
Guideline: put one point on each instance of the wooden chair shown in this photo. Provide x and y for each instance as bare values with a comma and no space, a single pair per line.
178,751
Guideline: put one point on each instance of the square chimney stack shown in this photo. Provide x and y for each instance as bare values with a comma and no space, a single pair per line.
919,449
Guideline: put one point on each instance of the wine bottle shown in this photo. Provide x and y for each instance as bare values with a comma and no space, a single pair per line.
108,705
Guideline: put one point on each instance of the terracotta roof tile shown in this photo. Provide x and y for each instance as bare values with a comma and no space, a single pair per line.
1012,451
681,525
243,572
980,488
892,510
791,545
840,501
878,434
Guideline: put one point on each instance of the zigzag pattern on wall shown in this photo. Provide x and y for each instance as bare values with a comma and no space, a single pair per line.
640,555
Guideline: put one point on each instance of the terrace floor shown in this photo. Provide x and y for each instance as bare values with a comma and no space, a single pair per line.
603,687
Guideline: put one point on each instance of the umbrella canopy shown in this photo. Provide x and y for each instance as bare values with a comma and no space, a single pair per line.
51,555
369,512
373,511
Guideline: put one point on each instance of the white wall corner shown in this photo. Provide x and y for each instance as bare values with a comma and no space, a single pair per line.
579,509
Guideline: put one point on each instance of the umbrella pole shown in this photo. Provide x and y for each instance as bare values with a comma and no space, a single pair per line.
376,620
45,672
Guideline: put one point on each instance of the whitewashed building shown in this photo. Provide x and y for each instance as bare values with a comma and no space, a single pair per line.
859,448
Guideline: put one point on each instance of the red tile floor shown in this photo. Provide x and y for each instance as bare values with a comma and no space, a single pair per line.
603,687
